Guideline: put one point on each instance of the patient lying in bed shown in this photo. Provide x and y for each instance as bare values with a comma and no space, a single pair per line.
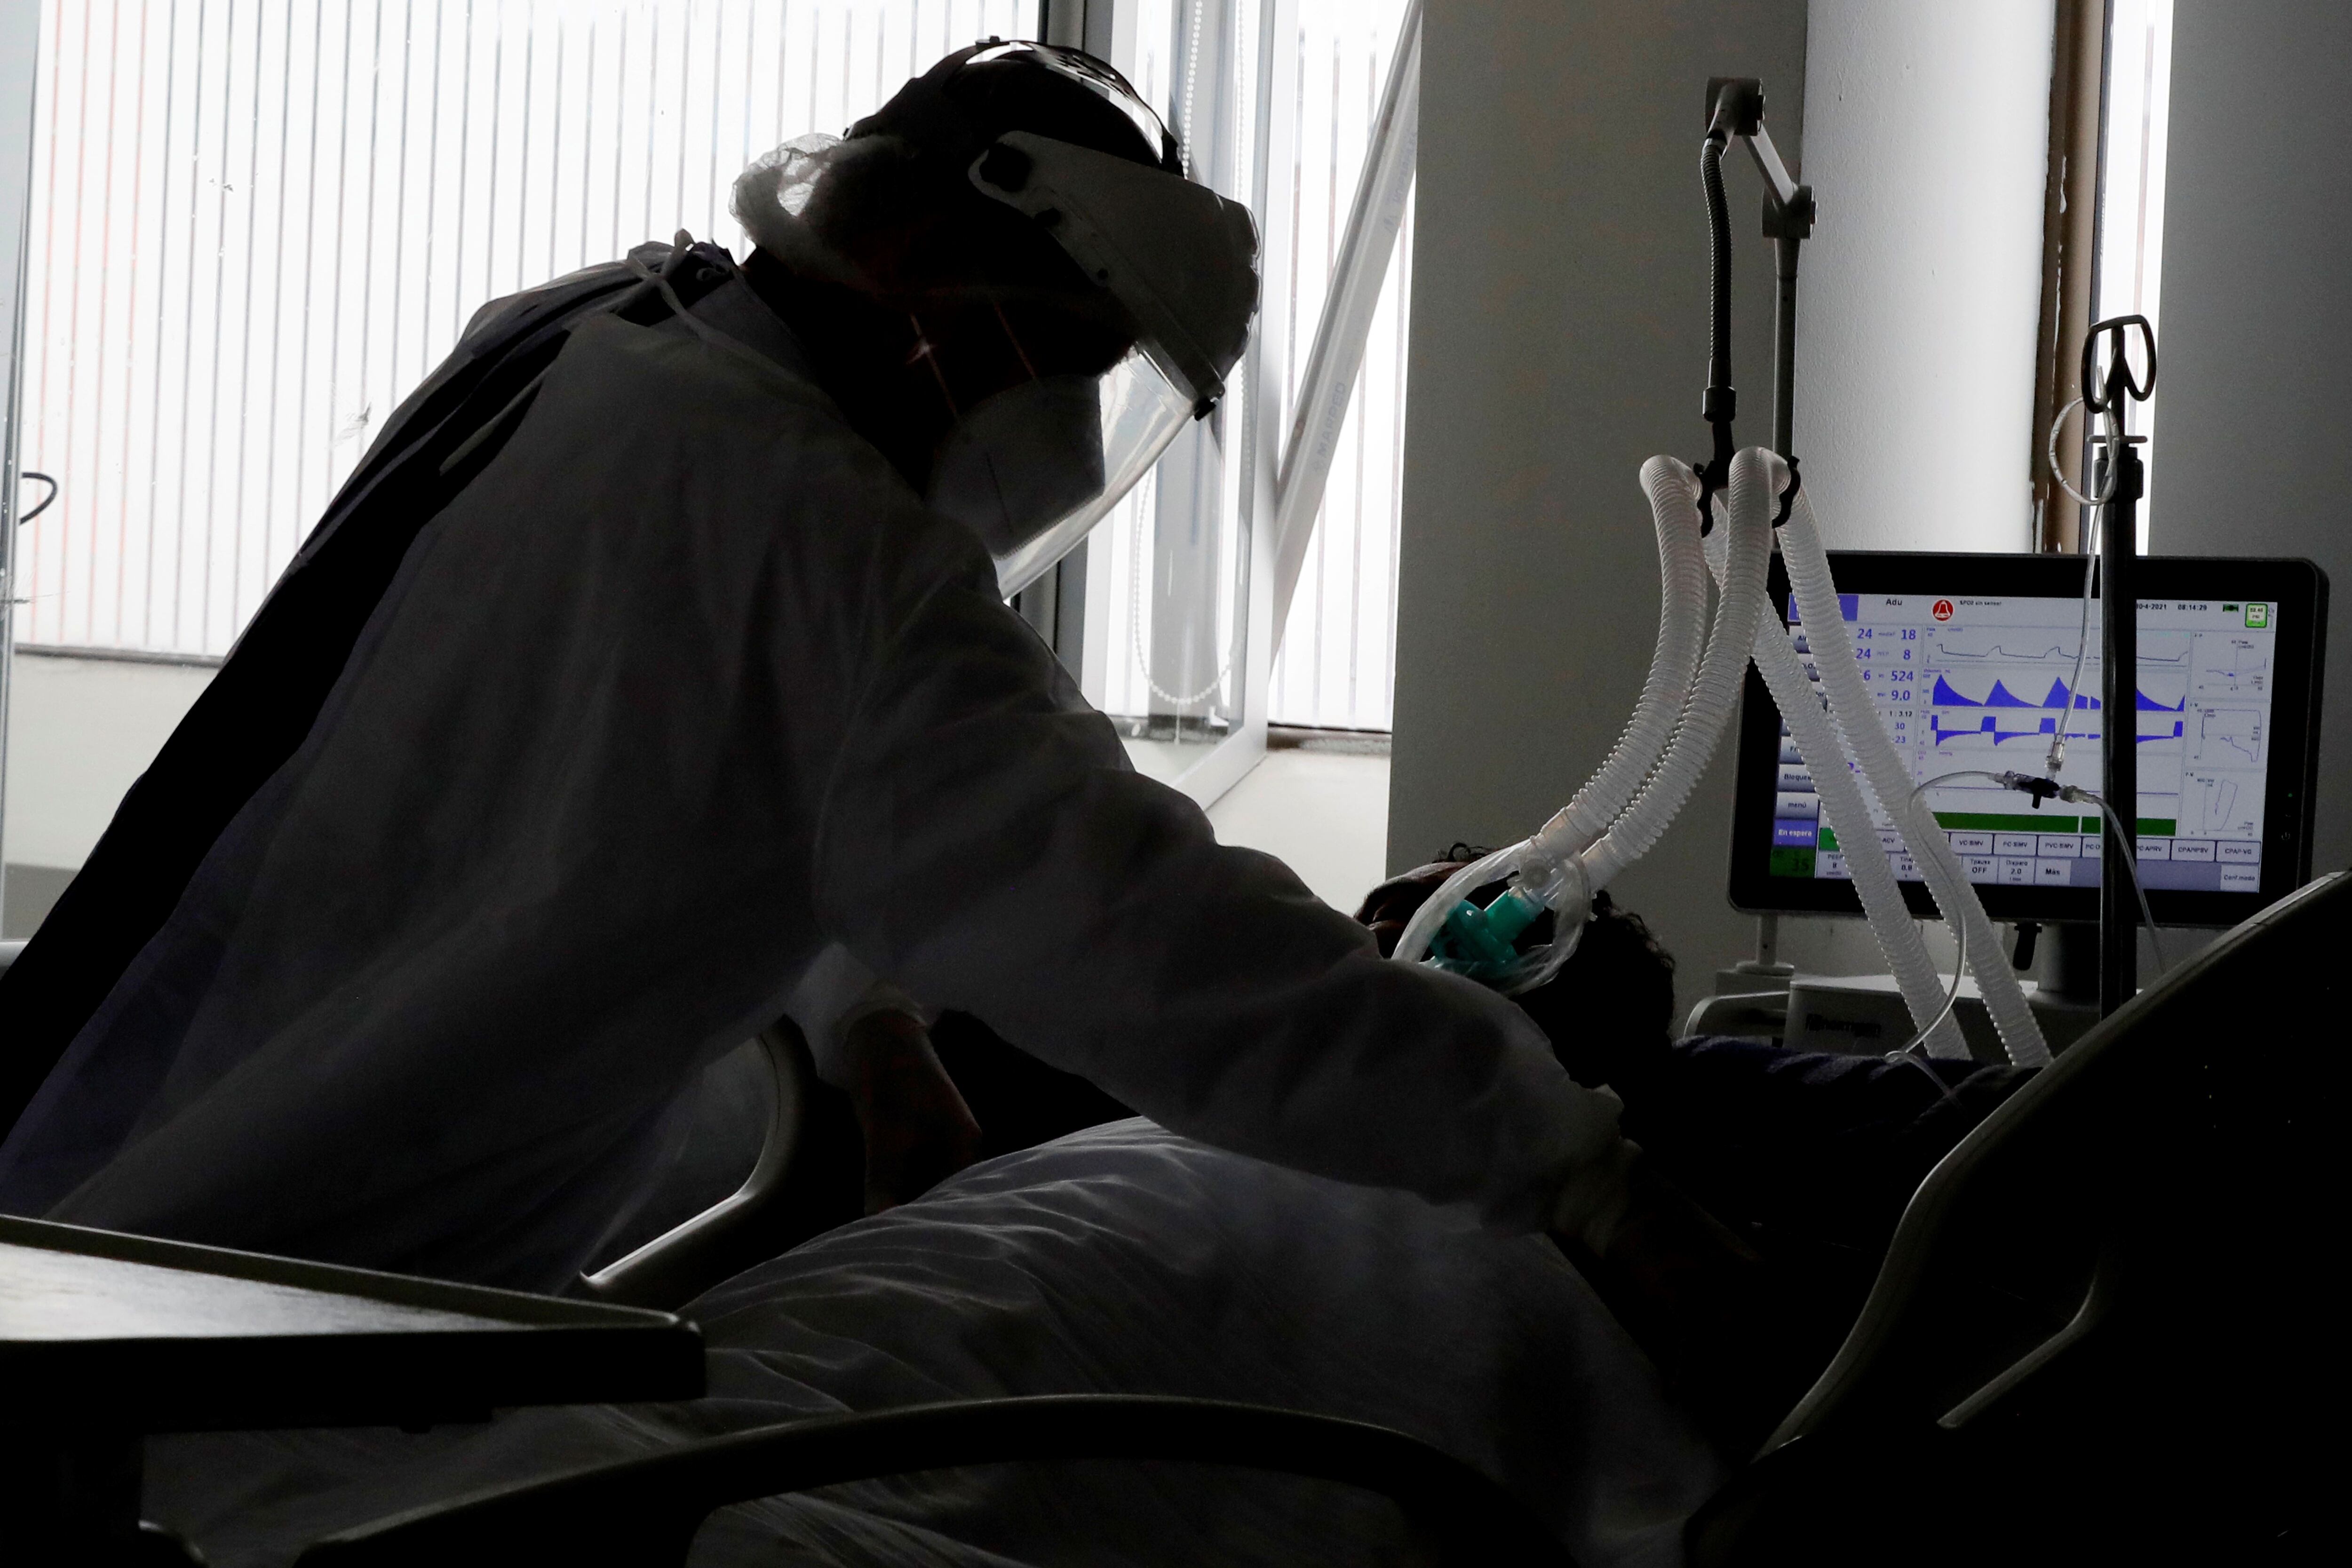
1122,1258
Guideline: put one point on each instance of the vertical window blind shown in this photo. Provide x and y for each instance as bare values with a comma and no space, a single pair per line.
257,225
1336,669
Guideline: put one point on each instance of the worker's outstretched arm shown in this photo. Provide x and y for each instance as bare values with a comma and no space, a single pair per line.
985,844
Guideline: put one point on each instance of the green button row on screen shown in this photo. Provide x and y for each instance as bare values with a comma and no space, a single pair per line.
1981,822
2015,822
2003,822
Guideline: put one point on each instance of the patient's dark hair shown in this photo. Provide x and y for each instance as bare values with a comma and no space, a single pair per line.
1611,1002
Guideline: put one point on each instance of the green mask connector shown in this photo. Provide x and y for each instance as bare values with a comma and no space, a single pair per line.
1479,943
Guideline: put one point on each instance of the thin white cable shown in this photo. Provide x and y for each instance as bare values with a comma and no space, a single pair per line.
1901,1053
1943,1014
2115,433
2056,757
2116,826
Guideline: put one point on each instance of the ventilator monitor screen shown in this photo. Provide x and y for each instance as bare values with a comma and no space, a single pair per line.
1972,668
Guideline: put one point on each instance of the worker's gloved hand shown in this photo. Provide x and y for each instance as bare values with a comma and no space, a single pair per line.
1693,1295
918,1131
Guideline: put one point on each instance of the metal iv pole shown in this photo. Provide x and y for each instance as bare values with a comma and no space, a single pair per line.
1734,107
2119,465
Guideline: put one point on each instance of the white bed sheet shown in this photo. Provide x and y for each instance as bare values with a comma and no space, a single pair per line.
1122,1259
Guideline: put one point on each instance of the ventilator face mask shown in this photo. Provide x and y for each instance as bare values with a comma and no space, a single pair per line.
1033,468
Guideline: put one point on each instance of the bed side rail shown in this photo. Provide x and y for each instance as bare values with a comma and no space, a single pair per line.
688,1260
643,1513
2172,1183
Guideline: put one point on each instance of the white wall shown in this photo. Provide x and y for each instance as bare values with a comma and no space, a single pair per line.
1559,340
1926,139
80,731
2256,331
1324,814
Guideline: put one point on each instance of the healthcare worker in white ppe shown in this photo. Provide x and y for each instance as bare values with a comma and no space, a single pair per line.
658,648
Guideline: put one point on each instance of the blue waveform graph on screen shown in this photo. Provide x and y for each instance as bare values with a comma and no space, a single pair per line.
1944,695
1999,715
1991,728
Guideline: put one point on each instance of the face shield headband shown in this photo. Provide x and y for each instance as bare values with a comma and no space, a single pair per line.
1180,259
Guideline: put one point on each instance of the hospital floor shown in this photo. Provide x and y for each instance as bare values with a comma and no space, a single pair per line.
1323,812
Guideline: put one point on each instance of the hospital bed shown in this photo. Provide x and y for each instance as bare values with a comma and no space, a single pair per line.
2094,1338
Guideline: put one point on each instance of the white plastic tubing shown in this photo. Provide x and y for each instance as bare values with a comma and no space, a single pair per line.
1629,803
1848,817
1712,700
1681,627
1890,781
1625,807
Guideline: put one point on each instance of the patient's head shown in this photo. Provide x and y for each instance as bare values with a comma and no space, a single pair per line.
1611,1002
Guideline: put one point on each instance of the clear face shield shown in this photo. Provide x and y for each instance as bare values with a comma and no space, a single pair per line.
1181,260
1032,467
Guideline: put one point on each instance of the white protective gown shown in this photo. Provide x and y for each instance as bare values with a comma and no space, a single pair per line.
684,685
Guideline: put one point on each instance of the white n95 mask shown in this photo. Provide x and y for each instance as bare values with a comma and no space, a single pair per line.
1023,460
1033,468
